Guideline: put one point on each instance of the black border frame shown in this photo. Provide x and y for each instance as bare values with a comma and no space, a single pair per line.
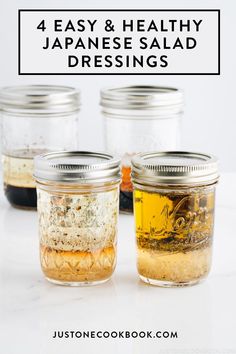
117,10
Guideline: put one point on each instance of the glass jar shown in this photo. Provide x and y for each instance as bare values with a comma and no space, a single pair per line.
35,119
78,205
140,119
174,200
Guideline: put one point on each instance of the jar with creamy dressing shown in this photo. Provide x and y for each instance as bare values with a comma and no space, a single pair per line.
174,201
140,119
35,119
78,206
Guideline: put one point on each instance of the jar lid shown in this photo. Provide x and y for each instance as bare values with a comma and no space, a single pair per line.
174,168
76,167
164,99
39,99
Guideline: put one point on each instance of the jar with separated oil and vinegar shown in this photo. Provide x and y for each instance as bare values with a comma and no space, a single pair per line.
78,207
34,119
140,119
174,201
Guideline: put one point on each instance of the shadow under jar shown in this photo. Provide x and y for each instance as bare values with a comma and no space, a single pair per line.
34,119
140,119
174,200
78,200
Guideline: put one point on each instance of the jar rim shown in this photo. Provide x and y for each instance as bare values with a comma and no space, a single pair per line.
161,99
39,99
84,167
174,168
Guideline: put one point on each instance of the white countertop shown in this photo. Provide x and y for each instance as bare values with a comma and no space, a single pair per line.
32,309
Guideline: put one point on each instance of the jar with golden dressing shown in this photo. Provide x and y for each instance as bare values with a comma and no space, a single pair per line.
174,200
78,204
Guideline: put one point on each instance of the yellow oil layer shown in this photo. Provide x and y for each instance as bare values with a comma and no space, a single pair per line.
18,167
170,224
180,215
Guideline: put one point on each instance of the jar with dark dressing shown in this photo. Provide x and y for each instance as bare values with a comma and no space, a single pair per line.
140,119
35,119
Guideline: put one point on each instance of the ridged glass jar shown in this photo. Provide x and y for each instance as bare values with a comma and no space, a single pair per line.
174,201
140,119
34,119
78,200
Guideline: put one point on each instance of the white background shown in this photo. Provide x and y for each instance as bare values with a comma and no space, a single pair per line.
209,123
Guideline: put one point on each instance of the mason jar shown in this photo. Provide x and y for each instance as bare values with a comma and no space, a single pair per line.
140,119
78,205
34,119
174,201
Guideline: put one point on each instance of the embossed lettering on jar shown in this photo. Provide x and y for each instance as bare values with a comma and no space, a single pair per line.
174,199
78,196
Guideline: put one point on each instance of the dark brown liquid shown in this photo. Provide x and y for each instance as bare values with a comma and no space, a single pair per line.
19,184
126,201
126,191
21,197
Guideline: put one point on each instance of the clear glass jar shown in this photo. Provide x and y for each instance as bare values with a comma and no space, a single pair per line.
78,206
174,200
140,119
34,119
